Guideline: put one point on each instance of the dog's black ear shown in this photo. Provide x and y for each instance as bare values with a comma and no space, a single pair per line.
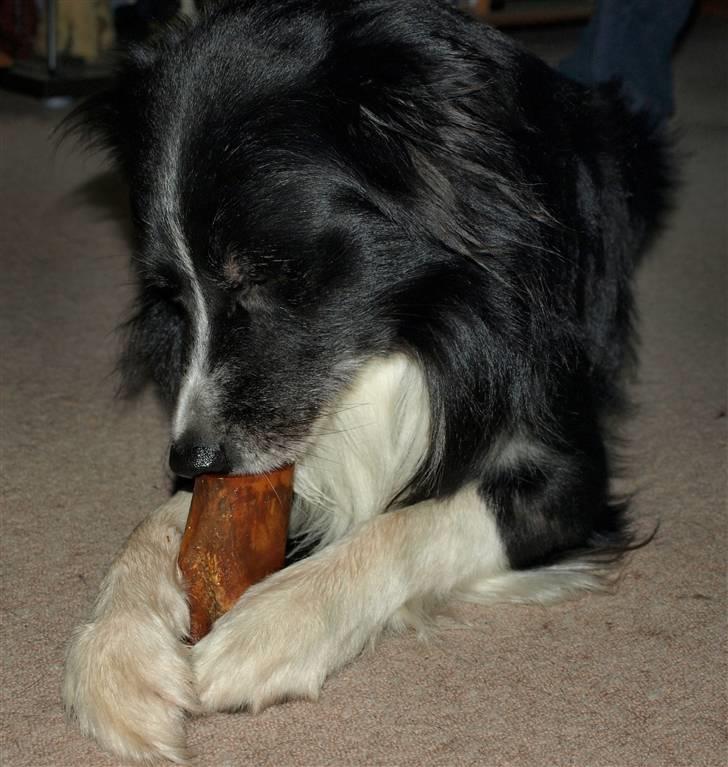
432,134
425,127
379,87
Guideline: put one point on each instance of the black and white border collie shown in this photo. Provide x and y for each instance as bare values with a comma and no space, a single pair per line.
381,241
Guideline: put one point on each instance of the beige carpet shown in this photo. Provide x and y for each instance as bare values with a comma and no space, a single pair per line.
637,678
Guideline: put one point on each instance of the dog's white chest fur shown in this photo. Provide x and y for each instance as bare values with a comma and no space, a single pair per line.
363,451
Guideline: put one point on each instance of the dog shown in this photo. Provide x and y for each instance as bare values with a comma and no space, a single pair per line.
379,240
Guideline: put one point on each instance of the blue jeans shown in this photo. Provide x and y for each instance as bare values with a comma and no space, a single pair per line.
632,41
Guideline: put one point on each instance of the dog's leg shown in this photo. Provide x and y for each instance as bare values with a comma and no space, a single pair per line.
128,679
289,632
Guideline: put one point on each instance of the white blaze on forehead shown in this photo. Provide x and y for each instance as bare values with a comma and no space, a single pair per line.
195,377
194,382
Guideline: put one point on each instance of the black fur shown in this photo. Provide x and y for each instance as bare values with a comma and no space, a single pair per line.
395,176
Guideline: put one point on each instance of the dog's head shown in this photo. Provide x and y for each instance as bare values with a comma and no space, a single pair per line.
292,187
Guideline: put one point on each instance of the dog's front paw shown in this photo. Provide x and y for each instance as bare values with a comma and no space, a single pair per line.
278,643
128,681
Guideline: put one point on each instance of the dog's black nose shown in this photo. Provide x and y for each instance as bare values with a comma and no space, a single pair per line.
187,458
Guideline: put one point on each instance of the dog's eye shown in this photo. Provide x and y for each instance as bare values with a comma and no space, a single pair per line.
171,295
167,295
250,296
161,285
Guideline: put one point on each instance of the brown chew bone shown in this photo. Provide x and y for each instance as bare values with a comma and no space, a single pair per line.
235,535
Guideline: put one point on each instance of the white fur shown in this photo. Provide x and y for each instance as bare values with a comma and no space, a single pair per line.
287,634
129,678
193,403
541,585
363,451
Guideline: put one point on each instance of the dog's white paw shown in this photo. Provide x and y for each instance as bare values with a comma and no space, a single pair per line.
278,643
128,681
128,678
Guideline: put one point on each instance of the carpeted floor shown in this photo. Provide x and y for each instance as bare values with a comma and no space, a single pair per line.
633,679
